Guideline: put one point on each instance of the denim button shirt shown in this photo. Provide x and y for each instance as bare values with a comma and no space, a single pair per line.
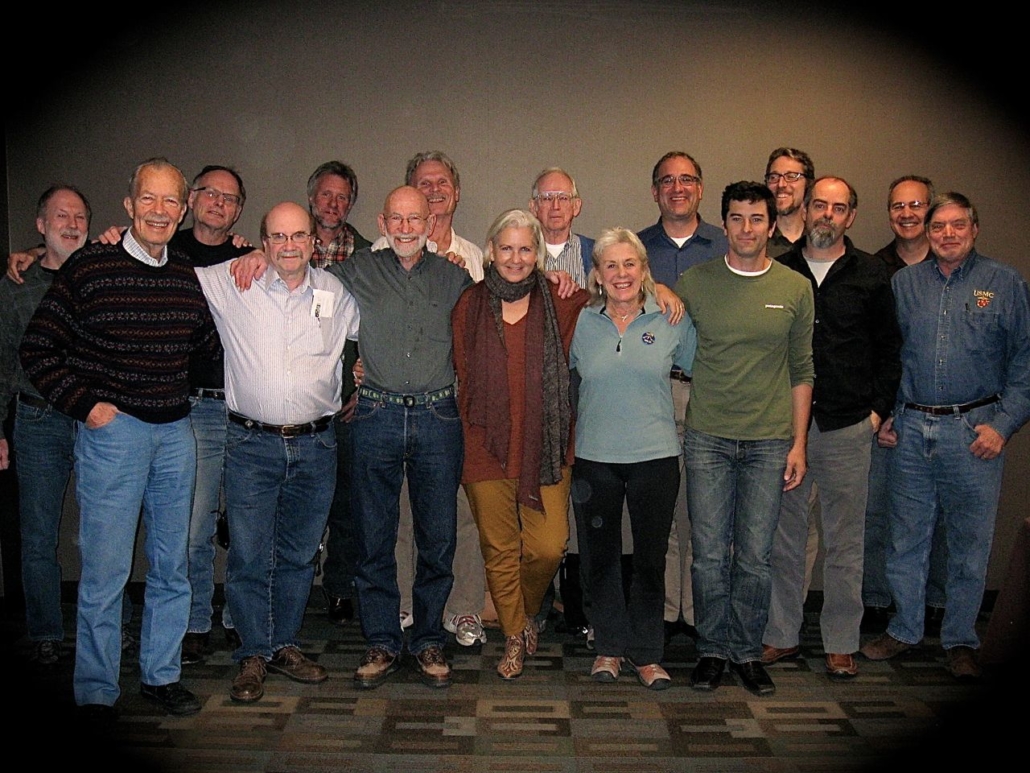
966,337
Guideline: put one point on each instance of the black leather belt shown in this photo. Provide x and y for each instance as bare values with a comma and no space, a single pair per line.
207,394
408,401
32,401
284,430
951,410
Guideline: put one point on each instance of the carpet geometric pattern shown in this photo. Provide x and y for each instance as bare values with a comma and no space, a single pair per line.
554,718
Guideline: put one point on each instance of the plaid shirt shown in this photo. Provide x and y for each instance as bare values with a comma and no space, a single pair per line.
337,251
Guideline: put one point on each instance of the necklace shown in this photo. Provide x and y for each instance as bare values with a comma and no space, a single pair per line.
622,317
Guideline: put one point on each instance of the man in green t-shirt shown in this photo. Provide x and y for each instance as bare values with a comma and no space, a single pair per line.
747,428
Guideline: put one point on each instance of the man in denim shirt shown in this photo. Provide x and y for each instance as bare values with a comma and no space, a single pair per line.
965,390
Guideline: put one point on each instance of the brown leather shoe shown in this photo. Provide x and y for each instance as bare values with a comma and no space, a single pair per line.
841,666
772,655
962,663
249,684
511,662
290,661
884,647
433,667
376,664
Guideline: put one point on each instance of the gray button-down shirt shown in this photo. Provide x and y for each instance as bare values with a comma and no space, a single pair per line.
405,338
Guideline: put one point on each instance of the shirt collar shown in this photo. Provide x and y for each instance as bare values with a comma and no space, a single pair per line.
135,249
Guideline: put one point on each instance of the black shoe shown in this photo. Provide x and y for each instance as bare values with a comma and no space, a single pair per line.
670,631
707,674
874,620
339,609
175,698
688,630
932,621
96,718
754,677
194,648
233,639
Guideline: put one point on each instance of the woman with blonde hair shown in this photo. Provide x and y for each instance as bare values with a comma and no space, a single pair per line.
512,333
627,451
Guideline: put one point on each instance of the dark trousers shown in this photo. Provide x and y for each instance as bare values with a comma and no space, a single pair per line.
622,629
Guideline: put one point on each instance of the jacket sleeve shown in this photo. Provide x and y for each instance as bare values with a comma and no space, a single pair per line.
886,339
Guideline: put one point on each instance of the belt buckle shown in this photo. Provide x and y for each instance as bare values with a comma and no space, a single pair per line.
409,401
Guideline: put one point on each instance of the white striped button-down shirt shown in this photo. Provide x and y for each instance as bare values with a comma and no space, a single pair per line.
282,349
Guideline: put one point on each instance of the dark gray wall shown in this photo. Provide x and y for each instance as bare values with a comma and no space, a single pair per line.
507,88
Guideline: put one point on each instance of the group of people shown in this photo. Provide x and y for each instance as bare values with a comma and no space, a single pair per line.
768,362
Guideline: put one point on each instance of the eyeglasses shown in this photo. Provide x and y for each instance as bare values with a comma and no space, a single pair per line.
791,177
212,195
415,221
686,180
297,238
560,196
915,206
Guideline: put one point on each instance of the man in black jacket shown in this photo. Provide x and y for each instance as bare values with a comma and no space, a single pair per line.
856,347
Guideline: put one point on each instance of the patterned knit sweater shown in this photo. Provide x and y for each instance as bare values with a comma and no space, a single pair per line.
112,329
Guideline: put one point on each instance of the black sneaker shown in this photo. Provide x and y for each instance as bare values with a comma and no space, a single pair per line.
175,698
194,648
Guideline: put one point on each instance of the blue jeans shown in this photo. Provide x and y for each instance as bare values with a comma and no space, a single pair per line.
341,547
933,471
120,467
876,591
44,443
207,417
733,496
277,491
425,443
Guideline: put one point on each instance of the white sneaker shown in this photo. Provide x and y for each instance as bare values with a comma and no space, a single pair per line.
467,629
406,620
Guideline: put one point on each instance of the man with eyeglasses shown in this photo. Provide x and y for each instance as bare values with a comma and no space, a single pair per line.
855,347
908,198
965,390
284,342
678,241
436,176
788,173
555,202
405,426
216,201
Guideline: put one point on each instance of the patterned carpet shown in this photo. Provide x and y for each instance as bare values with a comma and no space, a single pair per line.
903,712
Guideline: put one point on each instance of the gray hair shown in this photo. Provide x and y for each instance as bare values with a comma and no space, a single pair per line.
431,155
515,218
158,162
609,238
952,197
339,169
553,170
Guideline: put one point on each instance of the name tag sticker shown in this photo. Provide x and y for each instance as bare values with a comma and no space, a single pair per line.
322,304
